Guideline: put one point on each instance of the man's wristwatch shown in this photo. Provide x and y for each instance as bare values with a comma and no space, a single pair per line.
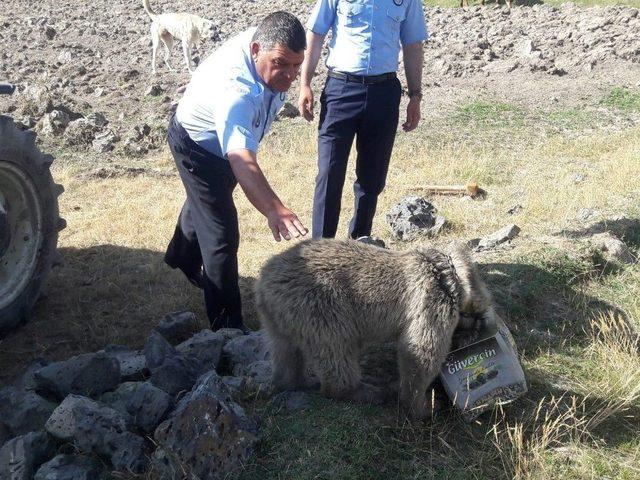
415,93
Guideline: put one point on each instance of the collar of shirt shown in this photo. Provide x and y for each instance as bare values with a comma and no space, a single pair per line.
262,87
271,101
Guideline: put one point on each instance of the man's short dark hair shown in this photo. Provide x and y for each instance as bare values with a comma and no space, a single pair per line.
281,28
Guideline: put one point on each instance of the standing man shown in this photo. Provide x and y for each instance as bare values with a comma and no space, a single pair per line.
361,98
225,112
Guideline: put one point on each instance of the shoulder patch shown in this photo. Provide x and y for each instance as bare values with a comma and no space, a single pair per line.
236,82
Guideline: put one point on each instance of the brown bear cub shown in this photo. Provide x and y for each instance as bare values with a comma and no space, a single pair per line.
322,300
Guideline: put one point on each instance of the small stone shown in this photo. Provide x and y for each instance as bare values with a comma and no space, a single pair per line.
24,411
69,467
526,47
247,349
177,327
130,74
291,401
27,122
94,427
257,375
586,214
21,456
53,123
369,240
515,210
65,56
89,374
206,346
104,141
473,243
27,380
176,375
154,91
171,371
208,434
501,236
133,149
97,119
614,249
414,216
157,349
141,131
80,132
38,100
49,32
143,403
132,363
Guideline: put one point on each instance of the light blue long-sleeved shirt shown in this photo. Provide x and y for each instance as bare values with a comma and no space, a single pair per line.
226,105
367,34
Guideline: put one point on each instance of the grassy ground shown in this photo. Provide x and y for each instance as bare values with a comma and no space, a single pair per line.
571,317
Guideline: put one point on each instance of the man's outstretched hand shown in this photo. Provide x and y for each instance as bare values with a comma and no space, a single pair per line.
285,224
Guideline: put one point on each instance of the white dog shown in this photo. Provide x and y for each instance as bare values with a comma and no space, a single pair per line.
188,28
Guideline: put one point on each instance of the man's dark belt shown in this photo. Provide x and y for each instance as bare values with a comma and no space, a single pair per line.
363,79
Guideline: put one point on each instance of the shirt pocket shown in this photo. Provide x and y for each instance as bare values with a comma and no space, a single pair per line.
396,15
351,14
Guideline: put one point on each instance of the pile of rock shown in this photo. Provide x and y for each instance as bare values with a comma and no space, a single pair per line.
99,411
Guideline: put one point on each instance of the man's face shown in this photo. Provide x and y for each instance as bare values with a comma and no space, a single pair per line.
277,67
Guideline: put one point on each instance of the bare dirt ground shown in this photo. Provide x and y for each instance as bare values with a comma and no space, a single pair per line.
85,58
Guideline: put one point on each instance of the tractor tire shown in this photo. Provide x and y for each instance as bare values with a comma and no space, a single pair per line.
29,222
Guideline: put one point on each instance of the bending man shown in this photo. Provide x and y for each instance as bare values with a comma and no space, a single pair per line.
225,112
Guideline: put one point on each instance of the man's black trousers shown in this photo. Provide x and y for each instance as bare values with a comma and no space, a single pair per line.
370,114
207,233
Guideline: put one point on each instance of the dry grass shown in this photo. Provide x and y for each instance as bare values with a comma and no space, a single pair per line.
565,430
525,445
614,351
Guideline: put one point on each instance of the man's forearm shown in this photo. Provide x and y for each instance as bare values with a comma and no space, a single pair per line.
413,60
253,182
314,49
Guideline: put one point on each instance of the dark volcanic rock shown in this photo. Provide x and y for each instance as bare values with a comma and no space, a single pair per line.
208,434
89,374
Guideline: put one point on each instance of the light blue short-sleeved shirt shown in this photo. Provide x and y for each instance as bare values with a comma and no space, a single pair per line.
367,34
226,105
